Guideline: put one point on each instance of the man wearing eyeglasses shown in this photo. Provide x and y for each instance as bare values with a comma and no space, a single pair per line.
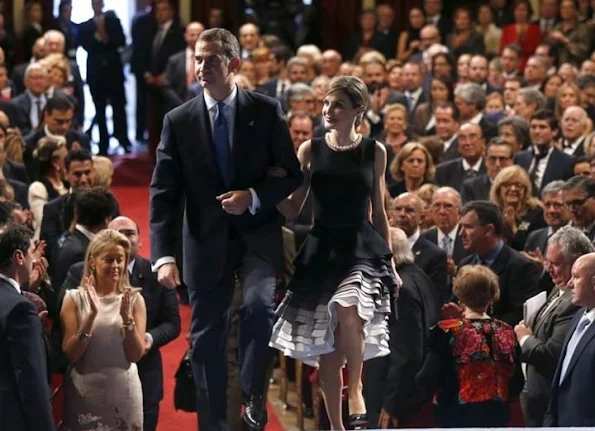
578,198
498,156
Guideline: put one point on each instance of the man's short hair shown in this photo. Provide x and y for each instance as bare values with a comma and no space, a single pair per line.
298,91
487,213
546,115
59,103
552,188
453,108
585,184
78,155
471,92
585,81
13,237
520,127
92,206
501,142
297,115
516,48
573,243
533,96
229,43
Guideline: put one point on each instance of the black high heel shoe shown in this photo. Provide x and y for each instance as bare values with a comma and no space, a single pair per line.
358,421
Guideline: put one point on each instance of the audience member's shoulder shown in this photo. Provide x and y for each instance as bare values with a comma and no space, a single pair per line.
449,164
261,99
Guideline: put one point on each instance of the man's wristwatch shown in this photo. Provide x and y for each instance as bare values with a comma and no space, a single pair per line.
83,336
129,326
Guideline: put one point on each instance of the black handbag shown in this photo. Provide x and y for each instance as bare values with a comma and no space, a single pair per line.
185,390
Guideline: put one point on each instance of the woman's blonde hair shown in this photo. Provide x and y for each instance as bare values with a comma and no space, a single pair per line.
514,173
406,151
577,93
14,145
396,107
100,242
104,171
57,61
476,286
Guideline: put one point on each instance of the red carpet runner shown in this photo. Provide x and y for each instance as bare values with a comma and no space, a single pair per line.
134,203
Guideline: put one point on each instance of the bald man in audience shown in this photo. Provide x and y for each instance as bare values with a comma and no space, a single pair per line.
249,38
406,214
331,62
574,124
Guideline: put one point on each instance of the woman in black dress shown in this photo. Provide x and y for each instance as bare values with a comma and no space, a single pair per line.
338,301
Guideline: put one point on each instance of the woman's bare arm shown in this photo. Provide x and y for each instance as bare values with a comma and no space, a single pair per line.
291,207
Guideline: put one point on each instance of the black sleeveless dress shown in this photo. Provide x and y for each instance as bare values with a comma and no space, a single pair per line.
343,261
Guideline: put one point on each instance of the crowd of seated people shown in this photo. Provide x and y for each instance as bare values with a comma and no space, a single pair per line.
486,114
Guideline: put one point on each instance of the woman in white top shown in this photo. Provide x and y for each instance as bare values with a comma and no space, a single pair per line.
49,157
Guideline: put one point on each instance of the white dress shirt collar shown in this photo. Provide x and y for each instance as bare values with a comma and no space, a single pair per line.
12,282
85,231
229,100
413,238
571,148
50,134
131,266
415,94
476,167
476,119
449,142
452,235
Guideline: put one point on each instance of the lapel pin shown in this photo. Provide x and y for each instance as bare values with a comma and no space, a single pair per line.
251,123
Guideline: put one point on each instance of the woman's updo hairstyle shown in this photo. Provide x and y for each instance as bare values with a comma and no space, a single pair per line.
354,89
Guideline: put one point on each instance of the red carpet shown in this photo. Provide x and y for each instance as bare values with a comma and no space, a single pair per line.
134,203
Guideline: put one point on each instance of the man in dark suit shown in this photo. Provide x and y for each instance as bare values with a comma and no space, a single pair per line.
163,321
167,40
478,73
446,204
388,34
55,43
447,126
230,222
413,79
80,172
578,197
541,337
93,208
570,403
574,124
179,72
143,24
389,387
406,213
482,230
470,99
102,36
29,105
24,392
470,165
543,161
499,155
435,15
18,72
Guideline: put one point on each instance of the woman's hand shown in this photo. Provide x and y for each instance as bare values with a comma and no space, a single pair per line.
92,297
126,306
451,311
510,218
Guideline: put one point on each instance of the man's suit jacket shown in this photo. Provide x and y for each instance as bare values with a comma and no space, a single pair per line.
538,239
103,60
559,166
458,252
143,25
175,90
452,174
18,77
15,171
172,43
73,251
186,165
519,281
489,129
423,98
72,135
452,152
432,260
418,308
541,352
476,189
22,109
21,192
571,403
24,392
163,321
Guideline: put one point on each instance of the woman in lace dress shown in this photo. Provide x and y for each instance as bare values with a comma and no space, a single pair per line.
104,327
338,300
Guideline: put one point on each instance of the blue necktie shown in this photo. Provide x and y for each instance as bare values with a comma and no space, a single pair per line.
221,139
572,343
446,245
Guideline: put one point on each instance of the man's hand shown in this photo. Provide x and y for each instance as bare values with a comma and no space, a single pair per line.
168,275
38,274
159,80
536,257
386,421
147,344
521,330
451,266
235,202
451,311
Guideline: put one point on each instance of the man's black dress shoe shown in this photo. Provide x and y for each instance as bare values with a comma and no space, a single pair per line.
255,414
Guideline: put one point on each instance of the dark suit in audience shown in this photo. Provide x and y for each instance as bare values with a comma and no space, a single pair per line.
73,251
476,189
452,152
72,135
559,167
175,90
432,260
24,390
21,192
571,402
15,171
452,174
390,381
519,281
18,78
22,111
458,252
541,352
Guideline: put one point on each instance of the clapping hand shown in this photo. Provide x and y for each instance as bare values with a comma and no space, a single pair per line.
510,218
536,257
92,297
38,274
126,306
451,311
